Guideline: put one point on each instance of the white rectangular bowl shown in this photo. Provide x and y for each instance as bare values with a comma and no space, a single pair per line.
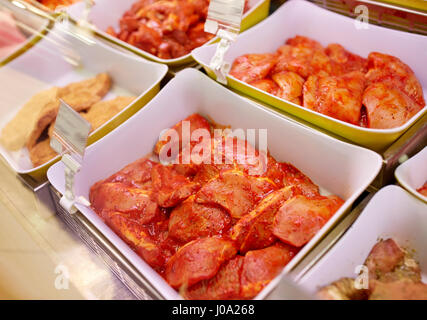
412,174
106,13
338,167
43,66
297,17
37,24
392,213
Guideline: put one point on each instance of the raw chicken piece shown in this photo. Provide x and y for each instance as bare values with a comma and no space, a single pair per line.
303,56
190,221
344,61
387,106
224,153
262,266
383,67
156,252
117,197
144,38
193,122
235,191
293,177
304,42
300,218
198,260
252,67
170,187
255,230
398,290
266,85
285,174
171,15
290,84
137,174
197,36
339,97
224,286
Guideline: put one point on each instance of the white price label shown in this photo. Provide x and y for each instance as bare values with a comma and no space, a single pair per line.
70,132
225,17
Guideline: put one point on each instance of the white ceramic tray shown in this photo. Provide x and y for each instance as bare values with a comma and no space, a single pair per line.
392,213
44,66
297,17
412,174
338,167
106,13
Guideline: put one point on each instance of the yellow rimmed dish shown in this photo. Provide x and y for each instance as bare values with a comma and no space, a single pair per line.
46,65
106,13
337,167
325,27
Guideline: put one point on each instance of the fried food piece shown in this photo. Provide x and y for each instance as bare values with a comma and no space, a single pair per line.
42,153
423,190
290,84
266,85
339,97
252,67
398,290
102,111
224,286
190,221
137,174
262,266
388,262
198,260
46,116
342,289
300,218
135,203
83,94
235,191
383,67
16,133
255,230
79,95
193,122
170,187
388,106
344,61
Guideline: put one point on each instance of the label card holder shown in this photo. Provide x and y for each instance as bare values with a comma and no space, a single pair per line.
69,138
224,20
